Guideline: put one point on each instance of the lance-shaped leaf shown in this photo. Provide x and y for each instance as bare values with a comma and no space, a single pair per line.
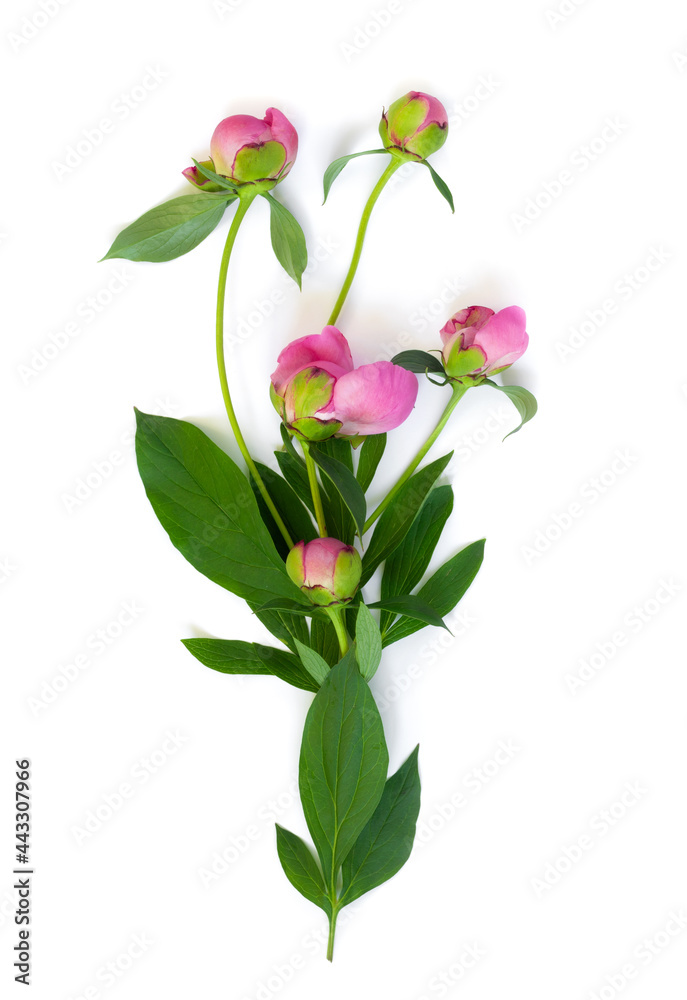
418,362
232,656
293,513
396,520
301,868
370,456
368,642
523,400
441,185
413,606
316,667
335,168
288,241
385,843
171,229
206,505
345,483
343,764
444,589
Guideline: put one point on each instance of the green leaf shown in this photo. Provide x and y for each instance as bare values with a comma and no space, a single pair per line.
441,185
418,362
313,663
335,168
293,608
343,764
288,241
385,843
324,641
232,656
406,565
283,626
205,504
301,868
396,520
295,516
295,473
370,456
289,445
171,229
368,642
346,485
412,606
524,402
444,589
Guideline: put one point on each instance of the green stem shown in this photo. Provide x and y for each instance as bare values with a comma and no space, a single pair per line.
457,394
332,929
396,162
314,489
243,206
339,627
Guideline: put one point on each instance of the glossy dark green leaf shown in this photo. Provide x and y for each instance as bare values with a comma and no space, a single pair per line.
395,522
371,452
406,565
343,764
412,606
368,642
284,626
345,483
232,656
171,229
323,640
301,868
288,241
313,663
385,843
335,168
295,473
206,505
295,516
523,400
444,589
293,607
441,185
418,362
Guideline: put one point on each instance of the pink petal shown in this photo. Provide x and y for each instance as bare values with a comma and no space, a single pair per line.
436,112
470,320
329,348
319,559
373,398
503,338
282,131
231,135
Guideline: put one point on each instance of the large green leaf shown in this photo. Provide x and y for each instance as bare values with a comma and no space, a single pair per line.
288,241
283,625
206,505
324,641
339,520
335,168
343,764
444,589
232,656
522,399
316,667
295,473
171,229
406,565
295,516
370,456
368,642
385,843
345,483
396,520
301,868
412,606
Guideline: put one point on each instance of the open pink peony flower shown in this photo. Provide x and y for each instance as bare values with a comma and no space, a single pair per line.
318,392
247,150
478,341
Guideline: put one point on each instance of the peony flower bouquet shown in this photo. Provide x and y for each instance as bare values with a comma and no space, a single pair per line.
295,541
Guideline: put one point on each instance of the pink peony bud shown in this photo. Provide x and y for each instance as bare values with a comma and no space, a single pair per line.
250,150
326,570
478,341
416,124
318,392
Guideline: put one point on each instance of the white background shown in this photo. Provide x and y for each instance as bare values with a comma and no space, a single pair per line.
530,94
